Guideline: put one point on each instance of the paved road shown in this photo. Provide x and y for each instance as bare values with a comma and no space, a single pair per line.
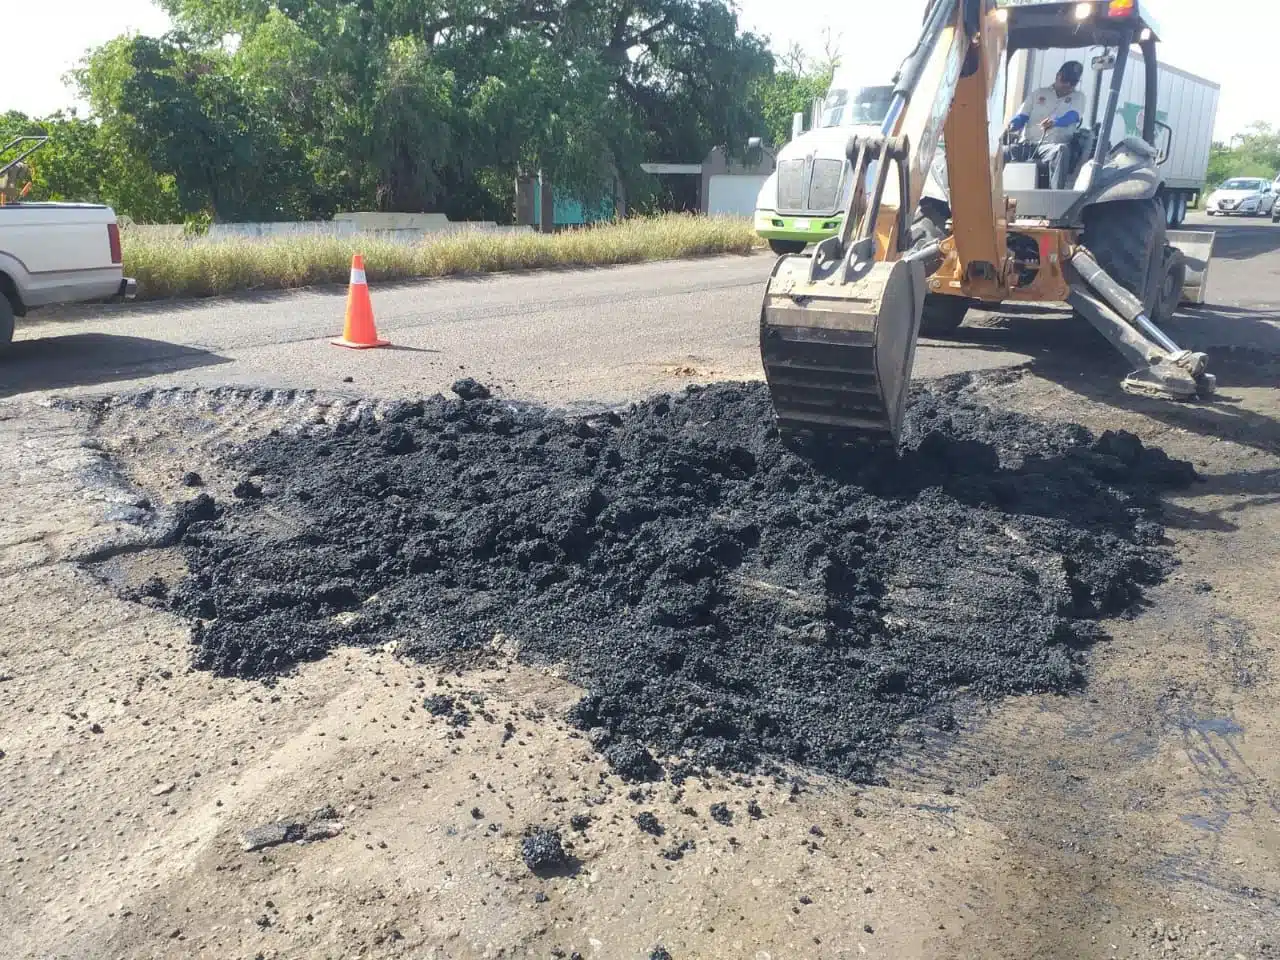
605,334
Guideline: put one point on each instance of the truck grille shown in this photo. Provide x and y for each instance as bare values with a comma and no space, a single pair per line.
824,186
809,186
791,185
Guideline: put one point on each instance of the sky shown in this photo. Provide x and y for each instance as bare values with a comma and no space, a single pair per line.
1235,47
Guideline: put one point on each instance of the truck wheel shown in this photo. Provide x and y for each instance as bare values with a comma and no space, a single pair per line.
942,315
784,247
6,323
1127,238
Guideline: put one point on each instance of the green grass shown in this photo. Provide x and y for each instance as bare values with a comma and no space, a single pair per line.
171,266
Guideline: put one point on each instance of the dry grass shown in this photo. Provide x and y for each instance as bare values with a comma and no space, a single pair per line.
176,267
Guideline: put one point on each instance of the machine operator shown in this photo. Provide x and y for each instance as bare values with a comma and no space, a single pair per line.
1046,121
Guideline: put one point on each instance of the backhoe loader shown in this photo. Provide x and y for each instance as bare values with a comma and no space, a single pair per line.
839,326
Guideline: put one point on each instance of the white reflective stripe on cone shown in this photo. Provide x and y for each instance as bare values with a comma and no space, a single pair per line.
357,276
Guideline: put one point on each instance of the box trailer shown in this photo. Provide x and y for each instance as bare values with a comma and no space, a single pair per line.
1187,103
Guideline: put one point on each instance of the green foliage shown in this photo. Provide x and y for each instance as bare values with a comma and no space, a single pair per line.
784,95
196,225
85,161
197,121
297,108
1255,153
793,89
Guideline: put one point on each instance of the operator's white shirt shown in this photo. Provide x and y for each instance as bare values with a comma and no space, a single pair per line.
1043,103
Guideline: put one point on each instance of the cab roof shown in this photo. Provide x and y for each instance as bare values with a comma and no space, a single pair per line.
1041,25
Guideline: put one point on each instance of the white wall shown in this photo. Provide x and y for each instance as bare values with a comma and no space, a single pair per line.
734,194
408,228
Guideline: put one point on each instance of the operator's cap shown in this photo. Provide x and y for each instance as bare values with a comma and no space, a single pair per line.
1072,71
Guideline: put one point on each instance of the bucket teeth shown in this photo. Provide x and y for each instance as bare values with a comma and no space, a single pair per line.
824,381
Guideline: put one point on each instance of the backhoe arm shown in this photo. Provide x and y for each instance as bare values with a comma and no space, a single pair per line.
838,329
960,45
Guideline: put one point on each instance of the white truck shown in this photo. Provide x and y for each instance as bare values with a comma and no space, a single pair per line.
55,253
804,201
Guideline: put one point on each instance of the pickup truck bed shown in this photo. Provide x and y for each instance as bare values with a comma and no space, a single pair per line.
57,253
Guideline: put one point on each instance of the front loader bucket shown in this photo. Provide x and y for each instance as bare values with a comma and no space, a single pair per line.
838,350
1197,251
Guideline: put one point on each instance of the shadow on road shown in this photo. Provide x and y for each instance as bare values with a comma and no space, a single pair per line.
1249,489
86,359
1070,353
1243,349
1241,239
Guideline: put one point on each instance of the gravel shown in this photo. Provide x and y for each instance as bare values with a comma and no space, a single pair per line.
648,823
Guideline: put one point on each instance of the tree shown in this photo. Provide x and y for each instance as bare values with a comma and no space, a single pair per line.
793,89
259,109
84,162
184,108
1257,154
407,103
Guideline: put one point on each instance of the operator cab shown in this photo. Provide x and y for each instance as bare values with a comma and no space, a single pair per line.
1101,159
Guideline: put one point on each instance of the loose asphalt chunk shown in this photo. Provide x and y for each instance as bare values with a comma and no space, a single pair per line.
542,851
727,601
320,824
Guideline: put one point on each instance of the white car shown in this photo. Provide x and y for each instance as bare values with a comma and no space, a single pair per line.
1247,196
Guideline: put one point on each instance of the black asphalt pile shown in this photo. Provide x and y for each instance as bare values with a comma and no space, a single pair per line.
724,600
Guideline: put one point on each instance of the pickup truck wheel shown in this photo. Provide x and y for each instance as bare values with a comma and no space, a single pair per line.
6,322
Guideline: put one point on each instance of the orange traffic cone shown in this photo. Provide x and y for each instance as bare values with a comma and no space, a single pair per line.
359,333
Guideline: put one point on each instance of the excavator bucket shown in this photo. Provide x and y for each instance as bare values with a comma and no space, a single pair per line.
838,329
838,348
1197,251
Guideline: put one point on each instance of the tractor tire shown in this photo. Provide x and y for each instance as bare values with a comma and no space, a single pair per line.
1127,238
1172,279
942,315
784,247
6,323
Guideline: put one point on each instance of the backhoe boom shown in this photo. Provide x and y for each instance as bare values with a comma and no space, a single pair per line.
838,329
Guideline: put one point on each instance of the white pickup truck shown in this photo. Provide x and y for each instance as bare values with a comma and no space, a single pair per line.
56,253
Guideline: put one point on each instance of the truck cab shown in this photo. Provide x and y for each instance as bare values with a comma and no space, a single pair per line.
804,200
